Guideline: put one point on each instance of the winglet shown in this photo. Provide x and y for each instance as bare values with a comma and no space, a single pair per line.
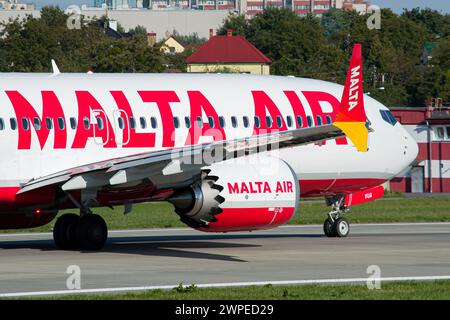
351,118
55,68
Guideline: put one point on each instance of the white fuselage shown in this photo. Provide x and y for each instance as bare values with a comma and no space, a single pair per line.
152,97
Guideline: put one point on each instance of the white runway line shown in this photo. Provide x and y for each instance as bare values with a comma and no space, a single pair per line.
222,285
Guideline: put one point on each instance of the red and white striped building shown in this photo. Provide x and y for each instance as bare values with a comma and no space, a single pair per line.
431,170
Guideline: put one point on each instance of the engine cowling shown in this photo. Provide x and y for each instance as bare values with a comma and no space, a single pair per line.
236,196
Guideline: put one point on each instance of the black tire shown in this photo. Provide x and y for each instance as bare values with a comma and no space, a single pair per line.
328,228
64,232
341,227
92,232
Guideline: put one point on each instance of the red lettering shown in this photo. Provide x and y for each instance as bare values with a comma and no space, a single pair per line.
289,186
297,107
279,187
51,109
233,188
88,106
199,104
314,98
244,188
163,100
264,103
135,140
259,183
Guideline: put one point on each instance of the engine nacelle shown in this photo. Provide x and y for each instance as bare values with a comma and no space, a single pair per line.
237,196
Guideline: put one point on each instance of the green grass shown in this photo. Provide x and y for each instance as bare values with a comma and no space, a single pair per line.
428,290
161,215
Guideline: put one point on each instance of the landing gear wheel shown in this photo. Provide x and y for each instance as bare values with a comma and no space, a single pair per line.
341,227
91,232
328,228
64,232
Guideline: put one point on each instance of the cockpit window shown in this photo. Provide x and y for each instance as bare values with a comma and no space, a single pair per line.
388,117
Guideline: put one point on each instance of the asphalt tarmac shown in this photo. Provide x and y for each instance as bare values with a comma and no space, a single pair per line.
166,257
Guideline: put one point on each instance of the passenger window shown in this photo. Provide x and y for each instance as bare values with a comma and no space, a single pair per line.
199,122
143,122
299,121
86,123
100,123
222,122
328,119
269,121
234,122
289,121
279,122
153,122
187,121
132,123
176,122
121,123
245,121
257,122
25,124
211,122
309,120
37,123
13,123
2,125
61,123
319,120
73,123
49,123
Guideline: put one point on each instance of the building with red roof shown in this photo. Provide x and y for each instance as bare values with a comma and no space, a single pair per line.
228,54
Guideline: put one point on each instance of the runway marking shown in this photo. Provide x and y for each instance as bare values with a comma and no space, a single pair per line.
222,285
303,226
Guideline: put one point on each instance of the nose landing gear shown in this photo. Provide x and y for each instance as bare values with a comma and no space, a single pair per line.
335,225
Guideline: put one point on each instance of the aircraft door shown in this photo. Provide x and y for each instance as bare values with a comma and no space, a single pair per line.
100,127
122,128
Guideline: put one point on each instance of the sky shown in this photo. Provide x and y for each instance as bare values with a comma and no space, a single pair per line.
396,5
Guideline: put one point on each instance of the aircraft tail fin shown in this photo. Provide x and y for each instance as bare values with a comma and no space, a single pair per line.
351,118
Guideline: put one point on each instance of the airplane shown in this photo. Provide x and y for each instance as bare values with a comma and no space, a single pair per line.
230,152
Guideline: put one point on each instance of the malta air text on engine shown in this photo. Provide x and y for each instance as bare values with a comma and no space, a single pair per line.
93,122
259,187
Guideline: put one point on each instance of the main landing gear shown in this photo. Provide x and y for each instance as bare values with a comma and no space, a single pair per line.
335,225
87,231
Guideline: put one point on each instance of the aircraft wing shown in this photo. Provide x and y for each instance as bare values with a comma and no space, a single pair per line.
115,172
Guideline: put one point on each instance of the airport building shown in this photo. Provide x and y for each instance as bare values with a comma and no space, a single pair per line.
431,170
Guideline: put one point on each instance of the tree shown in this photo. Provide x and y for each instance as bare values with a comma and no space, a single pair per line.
28,45
437,24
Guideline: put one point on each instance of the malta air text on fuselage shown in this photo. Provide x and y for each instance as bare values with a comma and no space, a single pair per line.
151,116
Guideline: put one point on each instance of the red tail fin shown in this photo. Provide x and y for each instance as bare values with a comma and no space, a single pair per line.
351,118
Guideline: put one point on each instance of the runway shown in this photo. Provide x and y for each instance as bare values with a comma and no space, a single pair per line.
167,257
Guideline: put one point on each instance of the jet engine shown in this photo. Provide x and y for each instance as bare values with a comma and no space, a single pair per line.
249,193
